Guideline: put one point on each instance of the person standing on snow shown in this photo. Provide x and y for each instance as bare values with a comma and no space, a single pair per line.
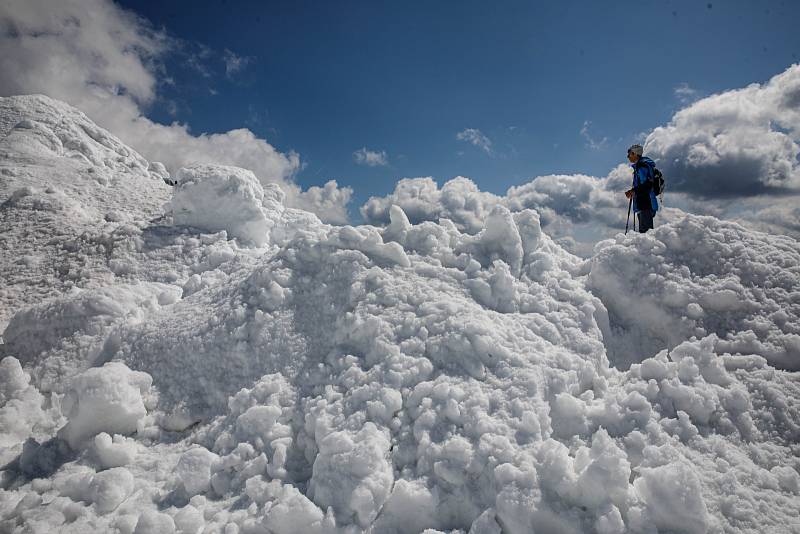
645,203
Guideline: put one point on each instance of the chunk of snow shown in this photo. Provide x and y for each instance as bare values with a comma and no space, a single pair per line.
673,498
217,197
352,474
108,489
660,292
13,380
104,399
194,470
152,522
114,452
21,404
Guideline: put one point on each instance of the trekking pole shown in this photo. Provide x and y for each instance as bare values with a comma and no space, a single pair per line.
630,201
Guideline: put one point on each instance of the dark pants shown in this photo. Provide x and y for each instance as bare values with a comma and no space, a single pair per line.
645,220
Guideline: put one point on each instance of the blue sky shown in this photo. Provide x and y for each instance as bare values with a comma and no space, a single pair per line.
328,78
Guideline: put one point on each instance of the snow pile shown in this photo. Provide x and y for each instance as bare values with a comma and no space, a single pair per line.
70,193
281,375
39,127
111,398
335,292
214,198
697,277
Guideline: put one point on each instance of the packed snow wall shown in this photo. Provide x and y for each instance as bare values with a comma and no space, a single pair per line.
234,365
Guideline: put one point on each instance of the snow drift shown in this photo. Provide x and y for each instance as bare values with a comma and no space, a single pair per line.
234,365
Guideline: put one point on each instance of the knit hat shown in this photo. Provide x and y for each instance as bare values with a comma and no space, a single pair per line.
636,149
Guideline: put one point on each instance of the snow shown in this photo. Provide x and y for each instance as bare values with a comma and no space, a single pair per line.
152,522
203,358
743,287
20,404
672,498
104,399
194,470
352,474
214,198
114,452
106,489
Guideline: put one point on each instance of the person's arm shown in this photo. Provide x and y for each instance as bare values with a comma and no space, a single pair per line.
641,182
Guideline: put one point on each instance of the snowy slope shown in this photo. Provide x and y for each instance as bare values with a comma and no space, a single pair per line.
68,191
205,359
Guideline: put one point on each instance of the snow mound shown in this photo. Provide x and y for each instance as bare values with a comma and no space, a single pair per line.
111,399
219,197
38,126
348,375
430,377
335,293
216,197
696,277
70,191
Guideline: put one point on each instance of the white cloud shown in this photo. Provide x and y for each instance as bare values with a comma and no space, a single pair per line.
686,94
73,47
419,198
197,63
476,138
328,202
739,143
234,63
459,200
105,61
581,199
591,141
562,201
371,158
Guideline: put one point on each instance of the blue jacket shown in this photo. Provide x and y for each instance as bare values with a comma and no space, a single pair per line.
644,195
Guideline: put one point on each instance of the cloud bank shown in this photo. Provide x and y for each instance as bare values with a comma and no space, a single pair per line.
739,143
106,61
564,202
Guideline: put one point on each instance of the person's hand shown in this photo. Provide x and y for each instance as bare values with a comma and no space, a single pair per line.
629,193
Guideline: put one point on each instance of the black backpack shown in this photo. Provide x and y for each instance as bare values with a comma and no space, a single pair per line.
658,178
658,182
